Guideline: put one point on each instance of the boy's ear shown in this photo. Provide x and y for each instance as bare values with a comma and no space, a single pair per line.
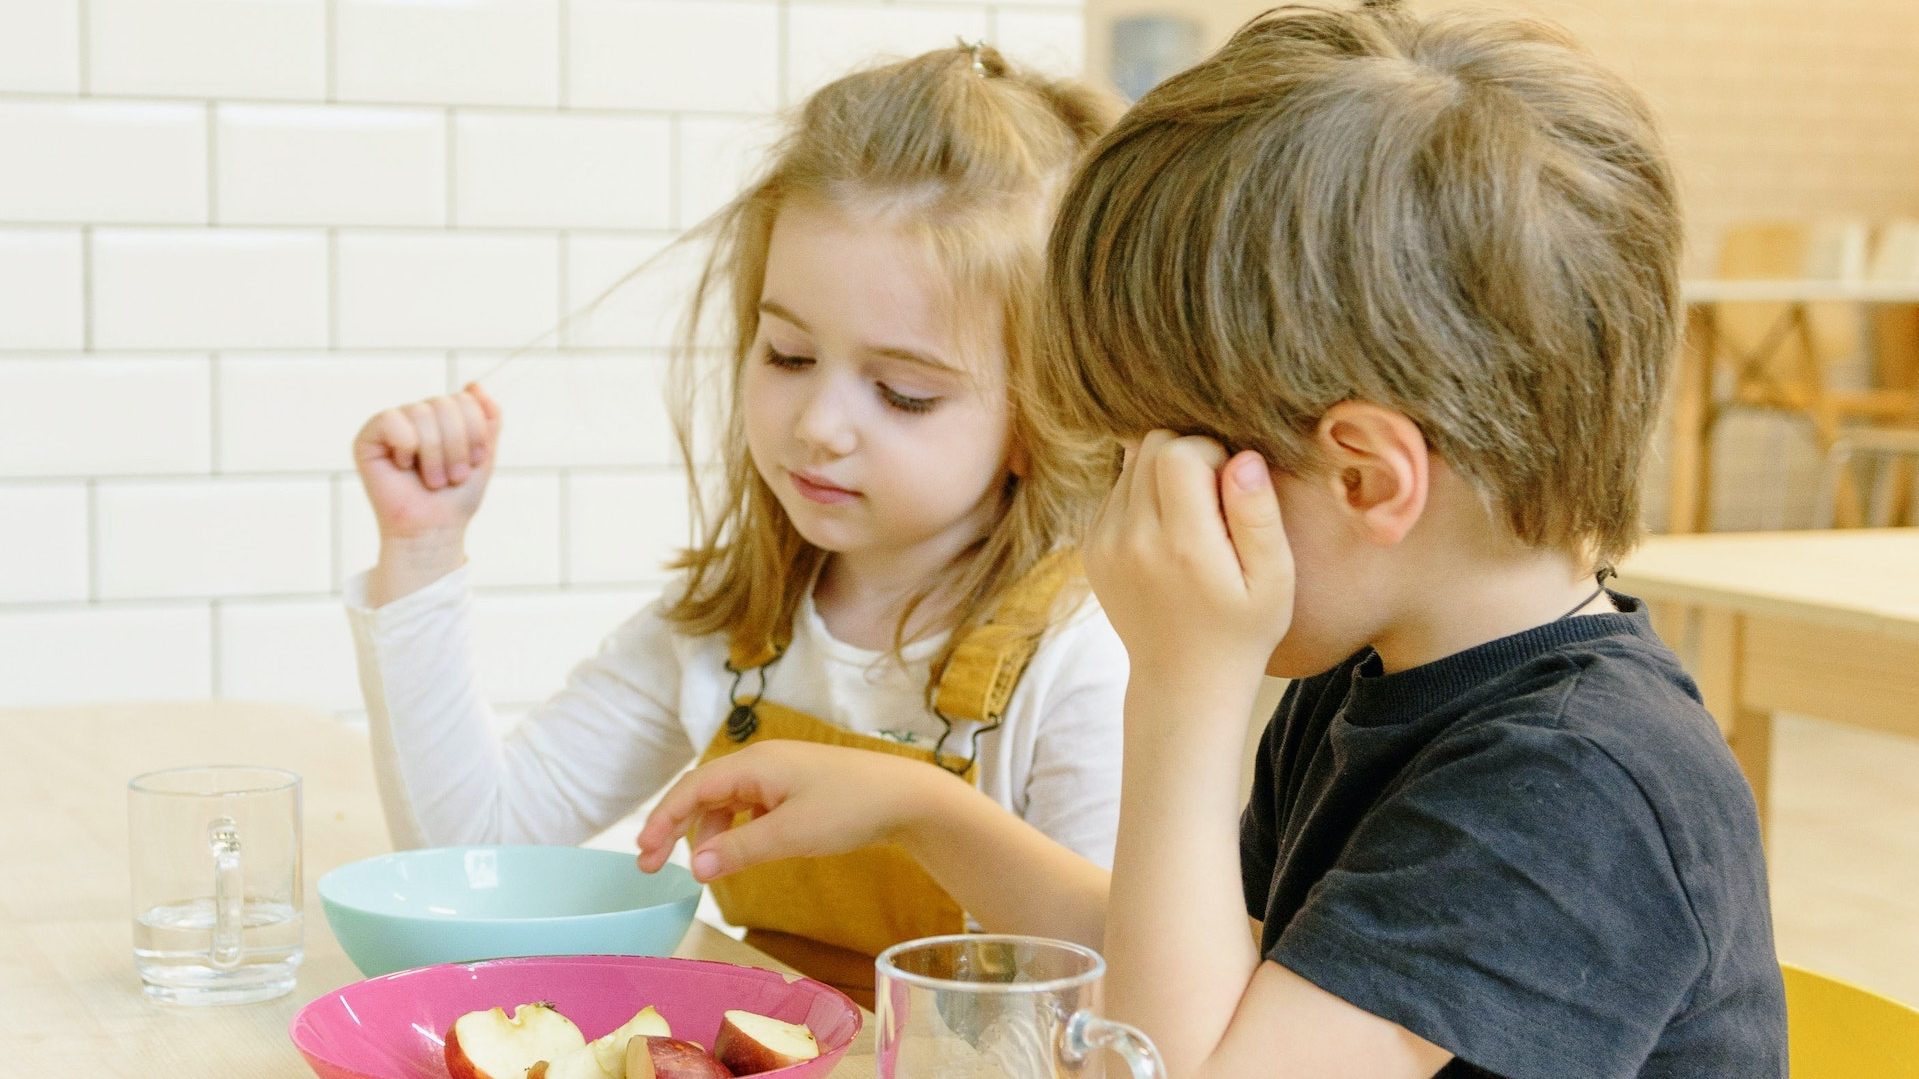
1380,466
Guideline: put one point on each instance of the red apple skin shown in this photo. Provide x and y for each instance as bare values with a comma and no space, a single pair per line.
457,1065
676,1059
639,1062
744,1054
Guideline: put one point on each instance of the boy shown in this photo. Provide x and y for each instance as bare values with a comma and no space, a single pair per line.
1425,270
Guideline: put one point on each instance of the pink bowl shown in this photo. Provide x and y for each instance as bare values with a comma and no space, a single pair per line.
394,1026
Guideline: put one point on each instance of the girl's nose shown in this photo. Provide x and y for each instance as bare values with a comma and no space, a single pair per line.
826,420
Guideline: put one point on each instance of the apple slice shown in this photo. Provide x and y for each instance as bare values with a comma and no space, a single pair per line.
581,1063
610,1049
749,1042
671,1058
488,1045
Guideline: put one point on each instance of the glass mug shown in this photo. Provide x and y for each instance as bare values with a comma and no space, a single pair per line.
215,858
985,1006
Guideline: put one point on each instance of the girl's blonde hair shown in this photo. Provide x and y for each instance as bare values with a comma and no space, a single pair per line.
972,153
1464,219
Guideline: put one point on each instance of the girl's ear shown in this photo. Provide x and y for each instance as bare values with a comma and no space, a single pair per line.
1380,467
1018,461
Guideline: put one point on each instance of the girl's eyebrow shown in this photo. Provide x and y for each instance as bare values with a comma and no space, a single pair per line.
779,311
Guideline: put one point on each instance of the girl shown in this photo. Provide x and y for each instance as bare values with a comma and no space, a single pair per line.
881,568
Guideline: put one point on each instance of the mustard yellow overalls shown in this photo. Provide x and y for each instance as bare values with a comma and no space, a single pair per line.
829,917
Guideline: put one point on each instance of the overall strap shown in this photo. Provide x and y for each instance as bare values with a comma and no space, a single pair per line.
987,663
744,654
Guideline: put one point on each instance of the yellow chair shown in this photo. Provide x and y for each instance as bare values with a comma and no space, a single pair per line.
1840,1031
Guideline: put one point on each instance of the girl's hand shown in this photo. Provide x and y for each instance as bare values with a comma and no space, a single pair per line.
426,464
1189,559
807,800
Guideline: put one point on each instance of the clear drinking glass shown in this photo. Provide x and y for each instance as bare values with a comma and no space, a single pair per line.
215,859
984,1006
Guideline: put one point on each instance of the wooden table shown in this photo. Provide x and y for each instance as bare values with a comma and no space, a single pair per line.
1823,624
70,1002
1694,407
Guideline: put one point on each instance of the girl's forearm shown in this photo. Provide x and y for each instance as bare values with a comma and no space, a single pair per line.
1012,877
407,565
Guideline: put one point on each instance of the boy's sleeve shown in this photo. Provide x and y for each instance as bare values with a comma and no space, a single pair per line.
1514,902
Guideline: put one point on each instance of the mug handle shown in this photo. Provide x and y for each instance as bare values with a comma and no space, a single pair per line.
229,895
1086,1033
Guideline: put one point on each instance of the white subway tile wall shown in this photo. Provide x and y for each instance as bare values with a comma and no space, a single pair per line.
42,282
40,46
232,230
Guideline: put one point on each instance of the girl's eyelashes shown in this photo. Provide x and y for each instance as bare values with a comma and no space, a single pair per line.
904,403
780,359
892,397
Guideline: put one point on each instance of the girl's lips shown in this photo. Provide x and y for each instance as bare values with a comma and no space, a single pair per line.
816,491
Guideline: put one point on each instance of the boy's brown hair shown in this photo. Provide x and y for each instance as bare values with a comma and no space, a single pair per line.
1464,219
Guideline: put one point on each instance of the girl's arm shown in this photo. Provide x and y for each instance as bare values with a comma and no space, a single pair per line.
424,467
577,763
812,800
571,767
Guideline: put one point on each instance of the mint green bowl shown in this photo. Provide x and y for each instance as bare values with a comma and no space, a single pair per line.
415,908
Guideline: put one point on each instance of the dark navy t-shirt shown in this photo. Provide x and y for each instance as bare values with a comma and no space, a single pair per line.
1537,853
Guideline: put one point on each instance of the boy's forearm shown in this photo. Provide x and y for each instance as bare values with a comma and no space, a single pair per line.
1176,941
996,865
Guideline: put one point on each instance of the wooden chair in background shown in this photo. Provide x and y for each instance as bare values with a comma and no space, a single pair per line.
1889,453
1781,356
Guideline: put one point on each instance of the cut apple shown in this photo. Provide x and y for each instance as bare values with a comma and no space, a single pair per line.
578,1064
671,1058
488,1045
749,1042
610,1049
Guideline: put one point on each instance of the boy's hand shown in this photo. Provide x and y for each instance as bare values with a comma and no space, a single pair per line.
1189,559
807,800
425,465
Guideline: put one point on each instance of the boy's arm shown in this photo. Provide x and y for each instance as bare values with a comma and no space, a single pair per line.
812,800
1182,966
1193,567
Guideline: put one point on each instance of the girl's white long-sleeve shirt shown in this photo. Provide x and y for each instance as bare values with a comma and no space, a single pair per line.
632,715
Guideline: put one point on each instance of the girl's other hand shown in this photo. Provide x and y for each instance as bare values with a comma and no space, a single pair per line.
806,800
425,465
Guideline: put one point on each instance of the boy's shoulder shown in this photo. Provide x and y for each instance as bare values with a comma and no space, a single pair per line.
1550,810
